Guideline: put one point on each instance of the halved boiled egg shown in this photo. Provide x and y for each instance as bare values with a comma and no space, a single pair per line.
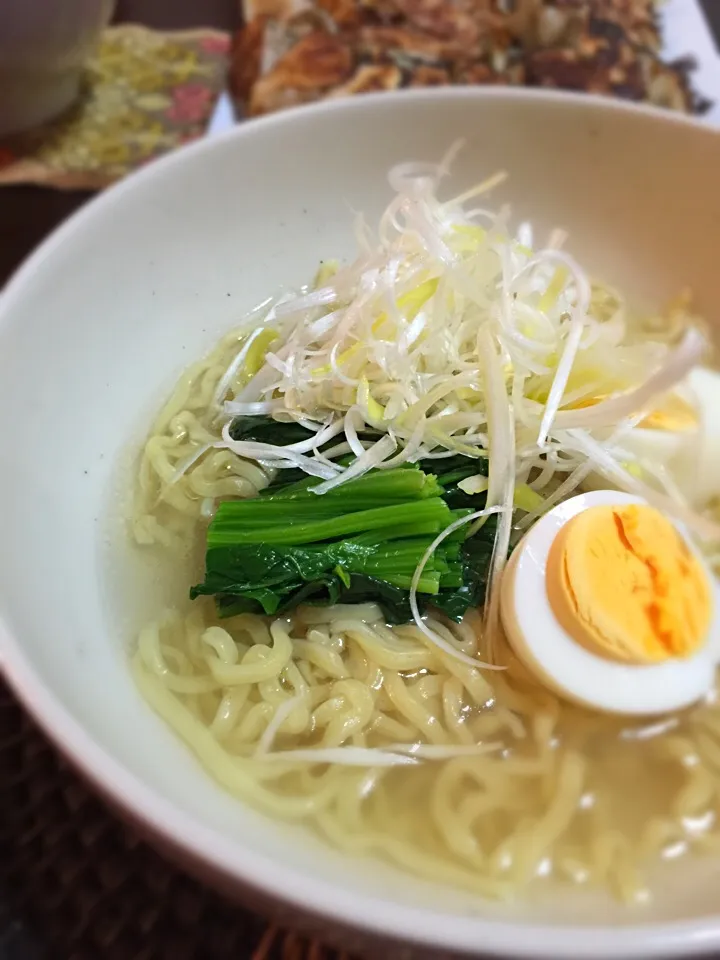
668,433
696,468
682,434
610,605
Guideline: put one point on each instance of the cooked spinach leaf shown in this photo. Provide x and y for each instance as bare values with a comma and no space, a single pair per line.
359,542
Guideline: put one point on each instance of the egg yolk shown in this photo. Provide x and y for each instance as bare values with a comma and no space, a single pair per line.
623,583
675,415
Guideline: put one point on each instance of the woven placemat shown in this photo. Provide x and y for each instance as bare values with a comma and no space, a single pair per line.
77,884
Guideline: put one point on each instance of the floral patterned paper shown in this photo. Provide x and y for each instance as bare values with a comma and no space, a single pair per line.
145,93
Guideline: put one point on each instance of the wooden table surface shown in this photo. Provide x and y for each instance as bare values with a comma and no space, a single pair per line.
712,12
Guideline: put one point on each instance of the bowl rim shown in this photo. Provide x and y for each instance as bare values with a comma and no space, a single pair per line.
208,848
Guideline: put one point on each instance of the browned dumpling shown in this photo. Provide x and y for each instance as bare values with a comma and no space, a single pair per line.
297,51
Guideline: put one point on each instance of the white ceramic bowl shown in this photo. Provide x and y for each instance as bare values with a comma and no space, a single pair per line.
99,322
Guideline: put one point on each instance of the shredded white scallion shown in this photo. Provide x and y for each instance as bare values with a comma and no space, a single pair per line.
432,751
345,756
434,637
278,719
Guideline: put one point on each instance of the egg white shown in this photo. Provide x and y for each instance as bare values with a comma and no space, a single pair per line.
691,457
660,447
568,668
696,468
